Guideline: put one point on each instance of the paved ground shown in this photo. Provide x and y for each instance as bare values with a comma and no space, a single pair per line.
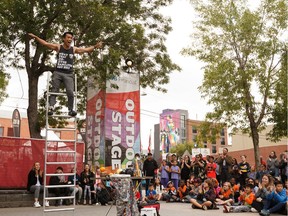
166,209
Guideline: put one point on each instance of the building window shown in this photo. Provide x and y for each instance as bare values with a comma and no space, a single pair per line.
222,141
214,149
194,138
183,132
222,132
10,132
183,119
1,131
194,129
183,140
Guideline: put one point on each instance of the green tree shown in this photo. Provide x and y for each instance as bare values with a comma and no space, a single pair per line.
179,149
3,84
241,49
279,113
130,29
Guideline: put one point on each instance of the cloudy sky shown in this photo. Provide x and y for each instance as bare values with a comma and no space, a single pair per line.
182,89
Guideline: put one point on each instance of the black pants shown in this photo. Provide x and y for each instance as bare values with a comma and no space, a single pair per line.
68,80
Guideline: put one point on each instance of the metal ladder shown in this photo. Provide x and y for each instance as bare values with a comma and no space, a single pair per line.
54,153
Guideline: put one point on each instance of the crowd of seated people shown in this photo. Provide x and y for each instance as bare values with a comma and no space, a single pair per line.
222,181
205,183
87,190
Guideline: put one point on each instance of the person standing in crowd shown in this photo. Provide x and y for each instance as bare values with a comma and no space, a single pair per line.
273,164
197,167
165,170
225,163
87,182
262,171
185,168
211,168
149,167
35,184
64,67
244,169
283,167
175,174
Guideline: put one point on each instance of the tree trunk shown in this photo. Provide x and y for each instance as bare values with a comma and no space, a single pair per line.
33,107
255,139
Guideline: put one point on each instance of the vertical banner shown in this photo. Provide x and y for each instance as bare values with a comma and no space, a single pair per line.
113,122
16,122
95,137
122,120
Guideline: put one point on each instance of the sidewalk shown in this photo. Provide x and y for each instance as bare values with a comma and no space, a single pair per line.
166,209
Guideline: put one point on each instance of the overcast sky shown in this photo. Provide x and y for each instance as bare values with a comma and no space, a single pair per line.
182,89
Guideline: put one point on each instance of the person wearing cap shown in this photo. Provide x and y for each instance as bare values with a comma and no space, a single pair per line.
170,191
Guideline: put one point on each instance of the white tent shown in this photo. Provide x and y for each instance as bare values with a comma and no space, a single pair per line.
52,136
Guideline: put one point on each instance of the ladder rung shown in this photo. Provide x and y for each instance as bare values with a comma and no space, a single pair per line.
59,209
60,162
57,174
59,93
62,197
62,129
48,140
59,186
61,151
63,116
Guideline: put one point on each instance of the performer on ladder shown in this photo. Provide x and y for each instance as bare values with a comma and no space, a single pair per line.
64,67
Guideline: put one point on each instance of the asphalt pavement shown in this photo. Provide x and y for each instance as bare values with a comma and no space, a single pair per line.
166,209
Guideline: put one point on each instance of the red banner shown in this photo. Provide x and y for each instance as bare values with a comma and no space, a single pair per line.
19,155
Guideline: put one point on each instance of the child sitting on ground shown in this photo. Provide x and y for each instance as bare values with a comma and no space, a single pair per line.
159,188
182,191
246,198
169,192
193,190
276,201
236,189
151,195
206,197
226,195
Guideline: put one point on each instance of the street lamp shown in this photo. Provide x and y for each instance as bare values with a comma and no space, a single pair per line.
129,64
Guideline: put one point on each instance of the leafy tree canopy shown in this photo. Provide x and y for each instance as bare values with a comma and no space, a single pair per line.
242,50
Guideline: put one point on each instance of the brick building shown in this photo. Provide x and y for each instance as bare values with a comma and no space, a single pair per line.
6,127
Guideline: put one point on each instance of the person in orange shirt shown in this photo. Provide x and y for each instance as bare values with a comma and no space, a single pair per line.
182,191
226,195
246,198
236,189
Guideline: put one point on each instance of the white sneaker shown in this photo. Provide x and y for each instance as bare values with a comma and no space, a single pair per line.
37,205
253,210
47,203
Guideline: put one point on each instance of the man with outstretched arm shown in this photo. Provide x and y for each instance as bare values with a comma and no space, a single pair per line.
64,67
